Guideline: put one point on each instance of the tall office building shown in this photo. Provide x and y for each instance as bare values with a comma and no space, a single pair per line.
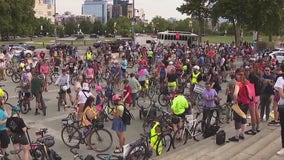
44,10
120,8
96,8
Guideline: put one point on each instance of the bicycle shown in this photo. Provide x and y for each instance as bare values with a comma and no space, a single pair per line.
78,156
74,136
106,113
226,114
41,148
105,156
71,117
61,99
192,128
143,99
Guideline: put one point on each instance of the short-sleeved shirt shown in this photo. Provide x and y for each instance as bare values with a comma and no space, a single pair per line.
121,109
83,95
180,104
37,85
3,116
280,85
16,124
127,89
210,94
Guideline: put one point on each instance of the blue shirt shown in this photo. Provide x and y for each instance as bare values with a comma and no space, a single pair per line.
3,116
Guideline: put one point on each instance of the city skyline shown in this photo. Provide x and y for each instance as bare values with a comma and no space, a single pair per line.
167,8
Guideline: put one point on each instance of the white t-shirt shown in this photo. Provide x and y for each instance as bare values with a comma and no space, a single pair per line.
82,97
280,85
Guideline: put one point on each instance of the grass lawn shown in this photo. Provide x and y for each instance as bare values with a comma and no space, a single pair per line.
229,39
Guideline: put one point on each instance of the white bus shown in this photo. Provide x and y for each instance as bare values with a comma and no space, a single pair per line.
185,38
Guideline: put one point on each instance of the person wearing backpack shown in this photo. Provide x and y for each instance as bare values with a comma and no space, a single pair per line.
117,124
241,97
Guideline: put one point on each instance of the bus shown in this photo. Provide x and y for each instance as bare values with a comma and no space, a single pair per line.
185,38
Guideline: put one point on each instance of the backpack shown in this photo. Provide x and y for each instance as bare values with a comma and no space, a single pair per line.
211,130
163,72
126,116
109,91
220,137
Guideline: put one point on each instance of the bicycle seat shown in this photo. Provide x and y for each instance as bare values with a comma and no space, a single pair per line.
16,151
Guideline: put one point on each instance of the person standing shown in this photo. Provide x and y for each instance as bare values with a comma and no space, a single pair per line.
241,97
4,138
279,86
117,124
36,89
17,127
135,85
127,97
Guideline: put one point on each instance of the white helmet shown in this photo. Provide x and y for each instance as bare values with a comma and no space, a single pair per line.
196,67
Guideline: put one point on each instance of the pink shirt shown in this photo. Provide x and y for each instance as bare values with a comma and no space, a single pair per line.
44,69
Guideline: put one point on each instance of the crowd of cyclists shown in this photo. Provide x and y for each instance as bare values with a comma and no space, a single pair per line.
99,76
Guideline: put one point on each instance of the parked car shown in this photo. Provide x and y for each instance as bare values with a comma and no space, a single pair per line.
27,46
279,55
18,49
56,46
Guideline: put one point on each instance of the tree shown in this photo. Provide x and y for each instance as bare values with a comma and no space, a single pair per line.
197,9
160,24
123,25
70,26
98,27
86,26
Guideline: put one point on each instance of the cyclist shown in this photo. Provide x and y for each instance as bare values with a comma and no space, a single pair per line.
117,124
180,108
36,90
196,76
45,70
89,115
82,98
17,127
99,98
25,85
64,82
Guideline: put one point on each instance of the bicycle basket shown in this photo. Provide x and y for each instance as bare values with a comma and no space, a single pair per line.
67,121
47,140
198,89
98,124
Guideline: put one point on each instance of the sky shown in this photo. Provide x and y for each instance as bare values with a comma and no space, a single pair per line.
152,8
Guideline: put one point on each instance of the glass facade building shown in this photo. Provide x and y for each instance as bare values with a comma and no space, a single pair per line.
48,1
96,8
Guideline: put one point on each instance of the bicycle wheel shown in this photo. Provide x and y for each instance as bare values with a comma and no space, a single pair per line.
9,72
215,118
138,152
6,96
104,156
16,77
164,144
180,137
143,101
109,112
101,140
54,77
152,91
71,136
25,106
147,125
164,99
198,131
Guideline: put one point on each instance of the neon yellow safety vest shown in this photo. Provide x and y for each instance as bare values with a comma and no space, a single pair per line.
89,56
150,54
154,139
194,77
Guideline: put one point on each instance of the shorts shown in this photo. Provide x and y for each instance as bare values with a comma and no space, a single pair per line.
142,83
68,91
4,139
238,119
255,103
176,118
26,94
19,139
37,97
123,70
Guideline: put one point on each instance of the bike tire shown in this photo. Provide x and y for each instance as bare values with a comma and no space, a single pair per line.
138,152
143,101
164,99
24,107
59,103
198,131
70,133
9,72
16,78
73,80
98,136
104,156
109,113
184,136
165,142
54,77
6,96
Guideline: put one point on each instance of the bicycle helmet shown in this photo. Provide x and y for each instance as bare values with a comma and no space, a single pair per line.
16,109
2,93
99,88
116,97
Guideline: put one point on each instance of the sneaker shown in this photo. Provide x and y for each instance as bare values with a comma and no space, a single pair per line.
241,137
234,139
281,152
